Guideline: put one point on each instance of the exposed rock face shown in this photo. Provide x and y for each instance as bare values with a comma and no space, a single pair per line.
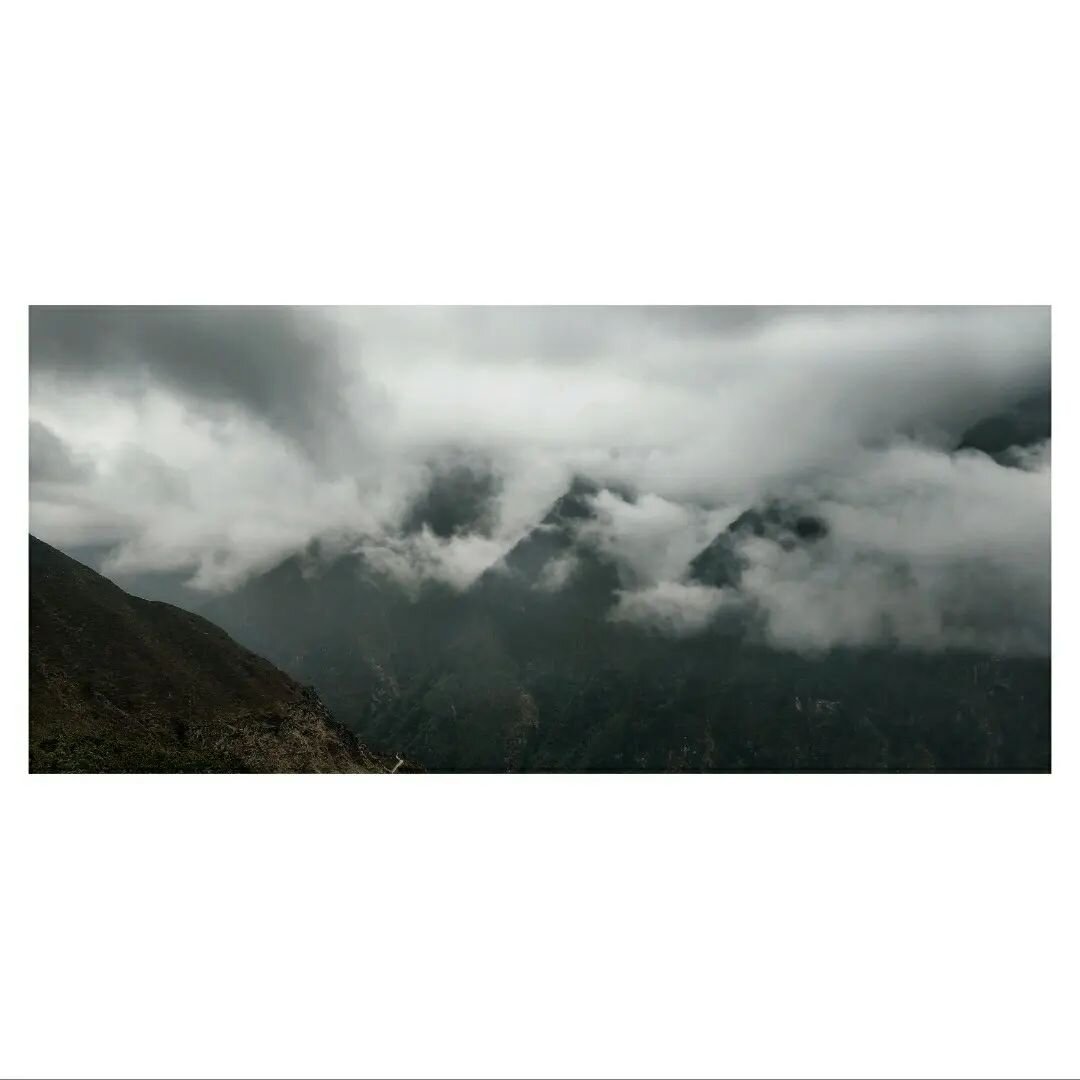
721,565
119,684
460,499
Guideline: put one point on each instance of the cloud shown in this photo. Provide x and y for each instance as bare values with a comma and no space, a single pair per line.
926,550
52,460
173,489
650,538
221,440
557,573
410,560
281,365
674,607
1034,458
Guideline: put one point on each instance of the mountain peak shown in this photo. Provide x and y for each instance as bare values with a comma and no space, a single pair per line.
721,563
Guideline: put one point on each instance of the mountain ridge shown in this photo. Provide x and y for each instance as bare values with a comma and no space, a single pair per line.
121,684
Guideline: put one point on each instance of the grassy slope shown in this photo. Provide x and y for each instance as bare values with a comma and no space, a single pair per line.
119,684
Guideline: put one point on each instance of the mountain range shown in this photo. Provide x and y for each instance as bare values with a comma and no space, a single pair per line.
520,672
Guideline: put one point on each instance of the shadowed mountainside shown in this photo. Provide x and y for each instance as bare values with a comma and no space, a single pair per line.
509,676
119,684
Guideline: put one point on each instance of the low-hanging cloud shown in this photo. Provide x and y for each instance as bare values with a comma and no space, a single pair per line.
52,460
674,607
650,539
218,441
925,550
456,561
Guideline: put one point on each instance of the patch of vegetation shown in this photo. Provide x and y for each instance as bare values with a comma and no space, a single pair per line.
119,684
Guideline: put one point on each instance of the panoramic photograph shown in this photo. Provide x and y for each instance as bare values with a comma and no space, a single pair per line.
412,540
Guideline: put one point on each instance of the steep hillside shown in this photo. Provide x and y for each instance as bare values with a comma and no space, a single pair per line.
119,684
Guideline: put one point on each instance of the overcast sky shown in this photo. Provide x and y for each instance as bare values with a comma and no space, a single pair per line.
217,441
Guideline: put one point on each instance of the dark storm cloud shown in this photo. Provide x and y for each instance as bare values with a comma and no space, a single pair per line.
51,459
734,322
279,364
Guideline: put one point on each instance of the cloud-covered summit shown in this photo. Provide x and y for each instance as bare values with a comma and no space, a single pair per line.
218,441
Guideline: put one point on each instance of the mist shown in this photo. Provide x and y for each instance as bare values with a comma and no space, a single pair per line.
215,442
